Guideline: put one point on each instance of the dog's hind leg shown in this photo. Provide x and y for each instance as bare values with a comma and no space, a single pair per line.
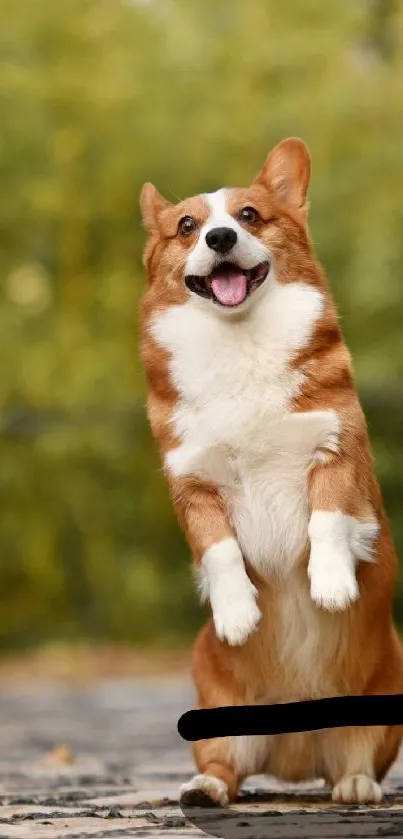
218,780
355,761
222,762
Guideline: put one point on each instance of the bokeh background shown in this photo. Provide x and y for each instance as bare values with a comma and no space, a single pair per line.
97,96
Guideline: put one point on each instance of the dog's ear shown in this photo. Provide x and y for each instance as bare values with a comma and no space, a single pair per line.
152,203
287,171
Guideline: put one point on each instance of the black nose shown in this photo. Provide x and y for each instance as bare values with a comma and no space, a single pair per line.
221,239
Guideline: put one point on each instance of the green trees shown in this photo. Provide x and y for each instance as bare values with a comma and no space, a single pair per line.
97,96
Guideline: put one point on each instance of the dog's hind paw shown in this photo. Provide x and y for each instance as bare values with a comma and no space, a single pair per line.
204,791
357,789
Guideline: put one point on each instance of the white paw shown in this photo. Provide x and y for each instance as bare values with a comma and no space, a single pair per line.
208,785
232,595
331,568
333,589
357,789
237,618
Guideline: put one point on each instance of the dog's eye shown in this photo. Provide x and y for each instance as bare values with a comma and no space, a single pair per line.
187,225
248,215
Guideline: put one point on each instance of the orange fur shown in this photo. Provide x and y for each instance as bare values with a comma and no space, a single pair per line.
358,648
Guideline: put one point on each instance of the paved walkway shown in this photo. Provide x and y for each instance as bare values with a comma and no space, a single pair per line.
106,761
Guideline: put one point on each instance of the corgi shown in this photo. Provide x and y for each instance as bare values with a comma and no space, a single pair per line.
265,449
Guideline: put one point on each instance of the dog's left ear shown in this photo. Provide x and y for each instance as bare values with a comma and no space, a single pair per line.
287,171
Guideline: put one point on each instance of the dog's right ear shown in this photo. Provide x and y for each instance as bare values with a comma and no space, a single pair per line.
152,203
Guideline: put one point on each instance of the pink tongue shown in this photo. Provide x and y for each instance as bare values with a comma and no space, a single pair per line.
229,287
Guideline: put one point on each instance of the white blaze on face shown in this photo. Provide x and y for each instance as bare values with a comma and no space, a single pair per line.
247,252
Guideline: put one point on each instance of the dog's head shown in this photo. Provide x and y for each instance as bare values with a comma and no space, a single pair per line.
220,249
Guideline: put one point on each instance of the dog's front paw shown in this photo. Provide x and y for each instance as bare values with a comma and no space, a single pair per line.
333,588
231,593
237,617
331,567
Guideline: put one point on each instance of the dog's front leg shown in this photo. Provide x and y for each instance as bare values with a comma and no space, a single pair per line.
341,530
221,572
224,581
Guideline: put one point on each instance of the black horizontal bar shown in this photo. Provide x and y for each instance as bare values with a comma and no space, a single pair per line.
291,717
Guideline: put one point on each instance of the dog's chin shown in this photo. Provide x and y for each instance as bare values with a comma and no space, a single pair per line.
229,286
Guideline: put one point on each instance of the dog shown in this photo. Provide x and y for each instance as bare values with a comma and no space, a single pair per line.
265,449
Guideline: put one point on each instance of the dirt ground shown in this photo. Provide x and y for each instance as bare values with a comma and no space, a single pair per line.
102,758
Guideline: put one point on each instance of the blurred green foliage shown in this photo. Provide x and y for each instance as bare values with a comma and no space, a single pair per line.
97,96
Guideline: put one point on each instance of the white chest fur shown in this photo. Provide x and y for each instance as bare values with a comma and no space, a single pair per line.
233,417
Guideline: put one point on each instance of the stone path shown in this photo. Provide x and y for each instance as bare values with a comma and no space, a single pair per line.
107,761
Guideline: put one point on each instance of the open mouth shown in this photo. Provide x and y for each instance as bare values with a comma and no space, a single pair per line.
228,285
